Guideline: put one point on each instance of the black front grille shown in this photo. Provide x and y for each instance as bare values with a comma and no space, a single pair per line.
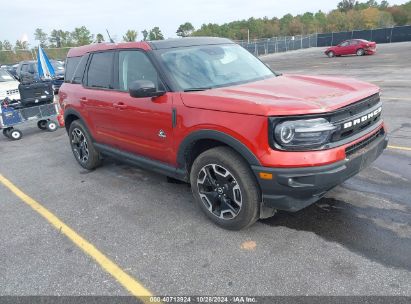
362,144
352,114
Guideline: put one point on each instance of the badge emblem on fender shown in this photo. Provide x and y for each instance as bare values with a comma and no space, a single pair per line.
162,134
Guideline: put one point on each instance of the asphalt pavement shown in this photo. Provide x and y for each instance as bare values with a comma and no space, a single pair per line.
355,241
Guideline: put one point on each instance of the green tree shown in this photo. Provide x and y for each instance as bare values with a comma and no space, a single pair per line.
60,38
371,17
384,4
99,38
7,45
285,23
155,34
320,21
346,5
385,19
145,34
81,36
130,36
399,15
308,21
1,45
21,45
355,20
185,30
41,37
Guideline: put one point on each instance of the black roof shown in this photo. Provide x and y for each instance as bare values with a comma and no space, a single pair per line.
188,41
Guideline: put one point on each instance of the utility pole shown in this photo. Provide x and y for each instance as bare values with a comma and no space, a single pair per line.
248,36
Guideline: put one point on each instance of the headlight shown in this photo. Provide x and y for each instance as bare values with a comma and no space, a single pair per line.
303,134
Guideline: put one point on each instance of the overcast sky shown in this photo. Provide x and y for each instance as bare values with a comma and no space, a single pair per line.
20,18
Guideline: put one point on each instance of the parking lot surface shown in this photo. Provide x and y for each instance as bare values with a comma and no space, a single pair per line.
355,241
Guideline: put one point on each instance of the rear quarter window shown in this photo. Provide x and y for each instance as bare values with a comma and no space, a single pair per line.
81,67
71,65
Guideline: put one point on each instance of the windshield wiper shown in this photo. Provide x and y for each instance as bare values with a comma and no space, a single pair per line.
197,89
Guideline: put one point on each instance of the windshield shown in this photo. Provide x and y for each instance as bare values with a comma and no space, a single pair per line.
205,67
5,76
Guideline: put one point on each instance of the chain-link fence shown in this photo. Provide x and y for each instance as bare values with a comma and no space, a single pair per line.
380,35
283,44
279,44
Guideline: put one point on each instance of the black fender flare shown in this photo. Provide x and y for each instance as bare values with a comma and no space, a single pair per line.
74,112
230,141
71,111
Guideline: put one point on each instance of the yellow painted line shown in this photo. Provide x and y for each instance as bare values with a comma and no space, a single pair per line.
399,148
394,98
128,282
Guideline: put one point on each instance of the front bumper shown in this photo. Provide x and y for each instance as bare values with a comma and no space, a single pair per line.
293,189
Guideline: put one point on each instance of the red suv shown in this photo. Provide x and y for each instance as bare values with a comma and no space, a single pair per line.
206,111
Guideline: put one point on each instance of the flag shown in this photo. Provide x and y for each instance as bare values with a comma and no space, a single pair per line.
44,66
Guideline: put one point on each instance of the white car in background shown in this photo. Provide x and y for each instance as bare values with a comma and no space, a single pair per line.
9,87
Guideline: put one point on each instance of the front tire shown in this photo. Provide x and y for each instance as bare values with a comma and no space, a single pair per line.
330,54
225,188
82,146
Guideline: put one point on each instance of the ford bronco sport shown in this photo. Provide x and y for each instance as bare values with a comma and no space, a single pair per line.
207,112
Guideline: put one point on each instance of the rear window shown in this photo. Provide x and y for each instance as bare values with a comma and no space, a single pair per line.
71,65
100,71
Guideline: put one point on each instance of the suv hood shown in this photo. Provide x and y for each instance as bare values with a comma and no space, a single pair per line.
283,95
6,86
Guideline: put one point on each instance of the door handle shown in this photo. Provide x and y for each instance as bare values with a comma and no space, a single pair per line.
83,99
119,105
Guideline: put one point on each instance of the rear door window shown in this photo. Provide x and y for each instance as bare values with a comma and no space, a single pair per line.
100,71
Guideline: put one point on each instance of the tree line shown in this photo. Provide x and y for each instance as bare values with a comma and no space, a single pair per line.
348,15
78,37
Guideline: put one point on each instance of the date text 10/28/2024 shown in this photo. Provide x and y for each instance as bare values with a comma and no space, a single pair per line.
202,299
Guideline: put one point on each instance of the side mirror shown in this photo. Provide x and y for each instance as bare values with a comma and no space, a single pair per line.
144,88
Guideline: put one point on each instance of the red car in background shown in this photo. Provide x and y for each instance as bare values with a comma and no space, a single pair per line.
357,47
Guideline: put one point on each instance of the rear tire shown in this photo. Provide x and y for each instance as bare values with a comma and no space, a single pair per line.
82,146
331,54
360,52
225,188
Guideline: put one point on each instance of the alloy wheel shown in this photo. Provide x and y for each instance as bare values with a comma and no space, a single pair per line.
219,191
79,145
